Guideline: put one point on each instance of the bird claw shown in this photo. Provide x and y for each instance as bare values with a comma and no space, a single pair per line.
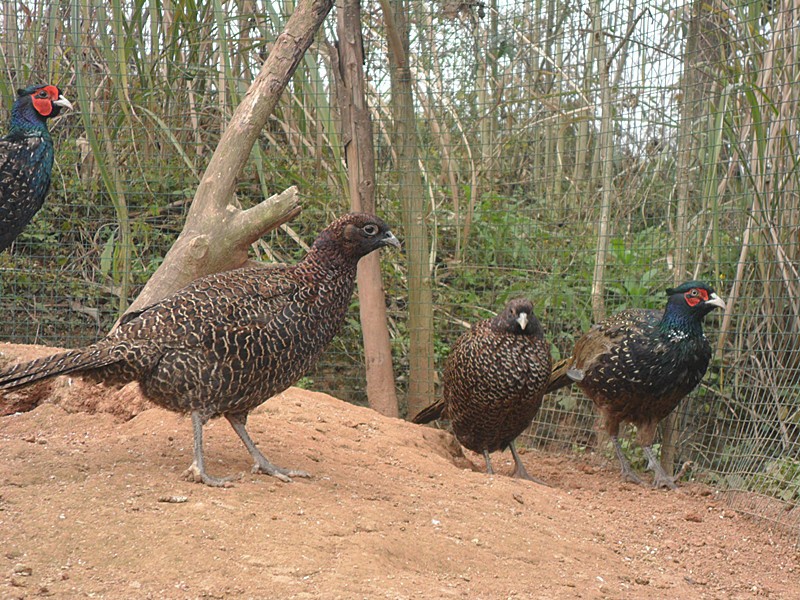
196,475
664,482
279,473
526,477
631,477
661,479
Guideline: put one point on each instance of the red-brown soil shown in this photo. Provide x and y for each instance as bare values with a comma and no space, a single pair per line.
92,505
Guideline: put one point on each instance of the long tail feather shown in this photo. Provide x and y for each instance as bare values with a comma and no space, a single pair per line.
431,413
82,359
558,375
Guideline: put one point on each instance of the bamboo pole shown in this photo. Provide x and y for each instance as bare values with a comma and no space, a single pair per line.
687,153
420,295
606,154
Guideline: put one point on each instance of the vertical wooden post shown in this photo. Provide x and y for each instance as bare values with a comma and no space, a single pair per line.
348,68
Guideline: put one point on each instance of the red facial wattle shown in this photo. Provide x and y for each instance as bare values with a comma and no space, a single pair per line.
44,106
695,296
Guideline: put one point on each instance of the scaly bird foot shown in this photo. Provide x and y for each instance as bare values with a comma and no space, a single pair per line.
280,473
630,476
520,472
197,475
627,471
262,465
526,476
662,480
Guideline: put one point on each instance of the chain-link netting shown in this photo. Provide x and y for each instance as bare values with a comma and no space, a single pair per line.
587,156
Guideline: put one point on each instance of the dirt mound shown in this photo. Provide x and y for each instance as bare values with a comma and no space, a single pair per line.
92,504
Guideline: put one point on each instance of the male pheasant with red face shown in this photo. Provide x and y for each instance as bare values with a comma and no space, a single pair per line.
226,343
26,158
493,382
637,365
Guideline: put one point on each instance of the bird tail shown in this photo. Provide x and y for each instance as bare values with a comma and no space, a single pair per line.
558,375
82,359
431,413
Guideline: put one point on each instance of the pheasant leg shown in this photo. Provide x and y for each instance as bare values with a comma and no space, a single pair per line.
489,469
262,465
661,479
519,469
197,470
627,471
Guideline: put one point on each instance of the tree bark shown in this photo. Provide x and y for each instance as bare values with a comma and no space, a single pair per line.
420,296
348,74
218,233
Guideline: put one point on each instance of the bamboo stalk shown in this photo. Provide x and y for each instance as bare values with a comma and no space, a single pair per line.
606,154
103,150
687,152
420,318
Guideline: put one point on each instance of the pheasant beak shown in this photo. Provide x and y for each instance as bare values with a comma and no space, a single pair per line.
63,103
714,300
522,319
390,240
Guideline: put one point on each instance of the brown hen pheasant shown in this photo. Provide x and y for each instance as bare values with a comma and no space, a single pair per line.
493,382
227,342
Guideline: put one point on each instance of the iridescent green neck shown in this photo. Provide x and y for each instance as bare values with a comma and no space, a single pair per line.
678,316
25,120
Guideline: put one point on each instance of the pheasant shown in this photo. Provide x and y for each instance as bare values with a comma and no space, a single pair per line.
637,365
493,383
26,158
227,342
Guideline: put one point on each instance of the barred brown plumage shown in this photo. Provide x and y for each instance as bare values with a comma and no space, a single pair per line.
493,382
637,365
227,342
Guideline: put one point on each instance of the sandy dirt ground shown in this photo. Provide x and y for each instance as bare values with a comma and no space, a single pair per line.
92,505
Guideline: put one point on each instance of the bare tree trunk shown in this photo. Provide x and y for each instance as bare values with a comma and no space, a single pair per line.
218,233
348,73
420,297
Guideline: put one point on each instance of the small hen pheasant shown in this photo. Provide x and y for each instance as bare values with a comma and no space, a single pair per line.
637,365
26,158
228,342
493,383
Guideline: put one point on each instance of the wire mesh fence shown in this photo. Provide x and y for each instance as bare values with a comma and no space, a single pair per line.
585,156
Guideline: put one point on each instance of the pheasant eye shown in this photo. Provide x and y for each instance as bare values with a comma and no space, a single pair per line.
370,229
693,297
42,94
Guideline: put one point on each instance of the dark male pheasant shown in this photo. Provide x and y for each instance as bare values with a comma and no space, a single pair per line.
226,343
493,382
26,158
637,365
